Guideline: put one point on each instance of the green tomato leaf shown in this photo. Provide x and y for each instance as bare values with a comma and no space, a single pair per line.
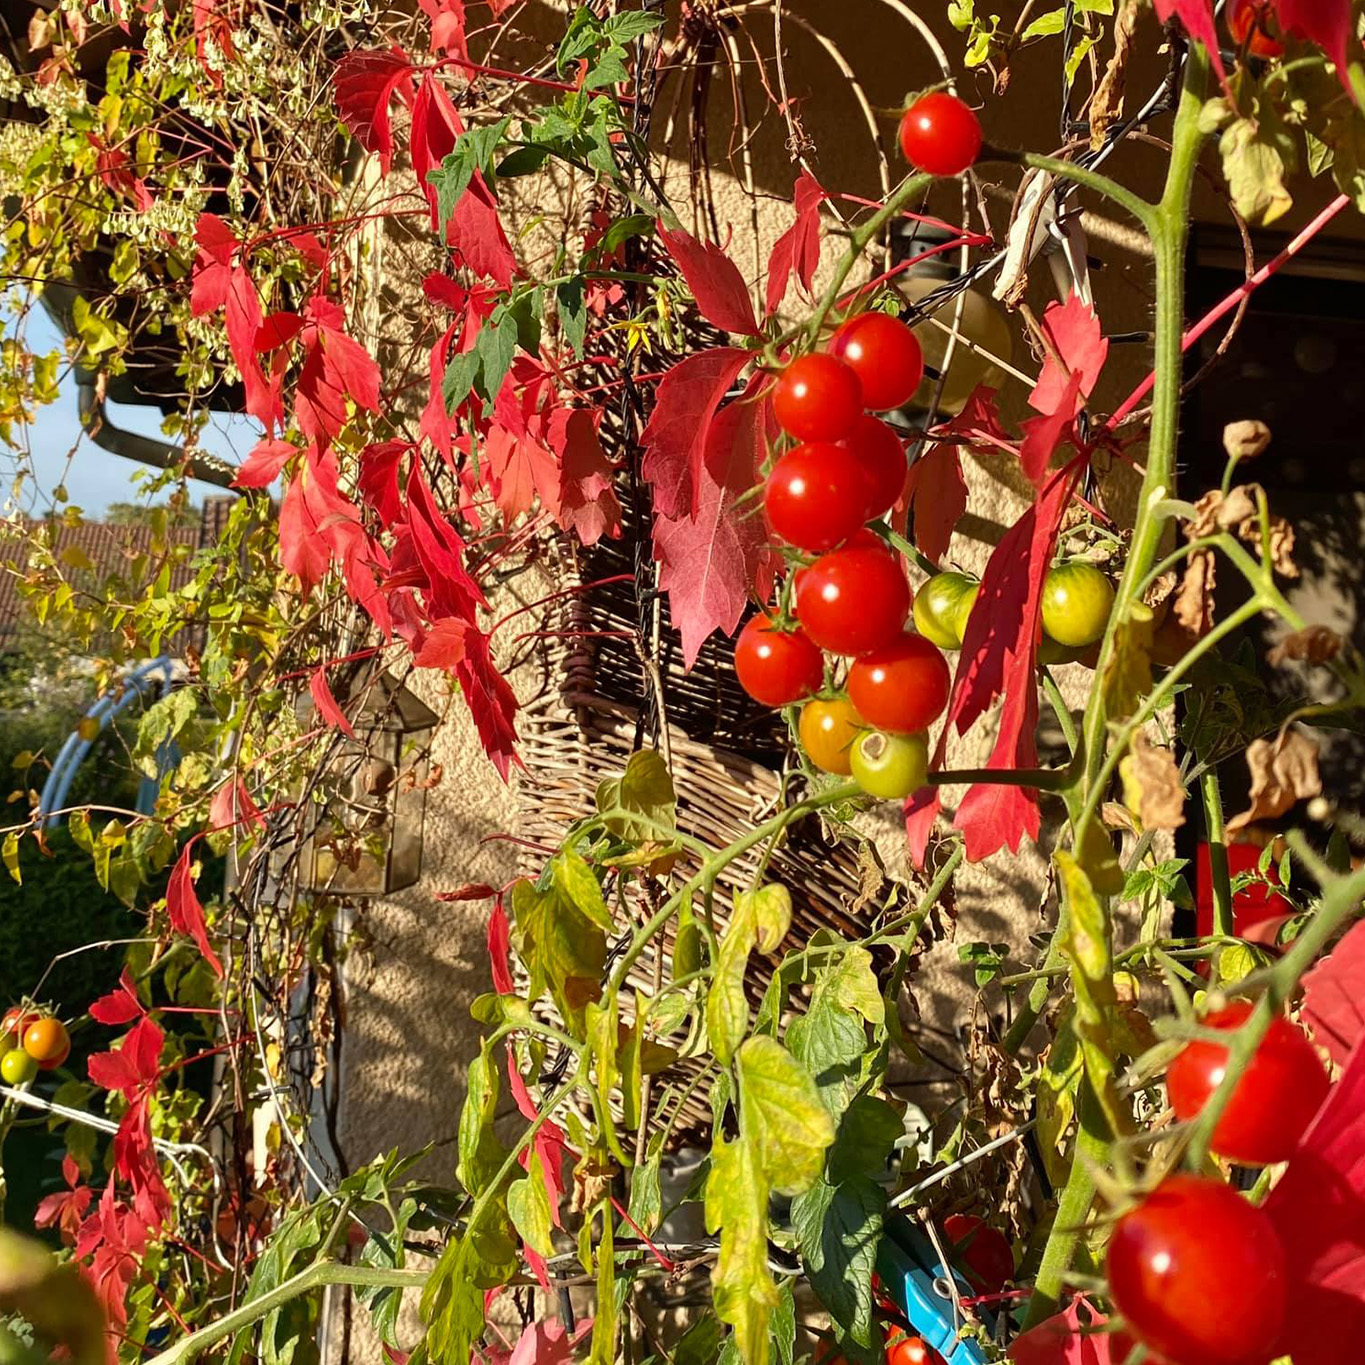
838,1228
782,1114
528,1206
742,1289
727,1007
576,883
480,1153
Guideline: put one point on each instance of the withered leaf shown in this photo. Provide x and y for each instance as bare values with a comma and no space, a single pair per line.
1283,770
1193,606
1152,788
1311,645
1106,108
1238,512
1245,440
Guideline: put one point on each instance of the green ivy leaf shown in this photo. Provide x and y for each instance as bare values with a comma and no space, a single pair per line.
782,1114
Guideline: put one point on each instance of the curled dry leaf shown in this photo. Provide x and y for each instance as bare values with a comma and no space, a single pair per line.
1152,788
1283,771
1237,512
1160,588
1311,645
1245,440
1118,816
1193,606
1106,108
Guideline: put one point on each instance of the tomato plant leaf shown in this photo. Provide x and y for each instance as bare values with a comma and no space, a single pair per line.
727,1007
781,1113
839,1228
742,1287
714,279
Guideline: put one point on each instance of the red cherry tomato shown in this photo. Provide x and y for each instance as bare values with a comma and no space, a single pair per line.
1276,1097
1254,20
853,599
881,455
911,1351
777,667
817,496
981,1250
903,686
940,134
885,355
14,1025
817,398
1198,1274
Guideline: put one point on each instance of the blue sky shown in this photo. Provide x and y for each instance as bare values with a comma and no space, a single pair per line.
95,478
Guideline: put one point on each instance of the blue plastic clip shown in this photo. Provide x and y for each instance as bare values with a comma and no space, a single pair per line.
914,1276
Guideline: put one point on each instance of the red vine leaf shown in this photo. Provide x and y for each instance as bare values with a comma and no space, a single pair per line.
1328,23
936,491
263,465
500,950
491,701
335,368
447,26
998,656
439,552
587,499
1197,18
474,231
121,1005
378,480
1334,996
443,646
328,710
1042,435
1318,1209
1073,331
550,1143
675,438
714,279
713,561
921,811
66,1208
232,806
796,251
365,84
185,911
1064,1339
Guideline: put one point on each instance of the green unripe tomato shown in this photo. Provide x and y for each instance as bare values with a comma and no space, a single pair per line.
17,1067
890,767
1077,600
942,606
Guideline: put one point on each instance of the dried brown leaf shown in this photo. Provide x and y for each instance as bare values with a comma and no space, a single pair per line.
1214,512
1193,606
1245,440
1311,645
1160,588
1283,771
1281,544
1117,816
1106,108
1152,788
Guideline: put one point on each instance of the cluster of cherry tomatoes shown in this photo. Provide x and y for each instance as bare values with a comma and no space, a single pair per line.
1196,1271
29,1043
852,600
